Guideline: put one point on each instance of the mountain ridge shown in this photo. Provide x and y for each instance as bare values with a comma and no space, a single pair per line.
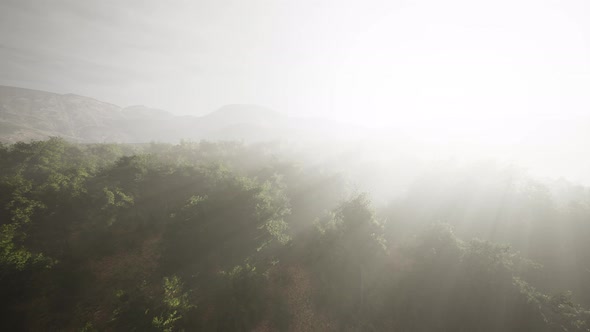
28,114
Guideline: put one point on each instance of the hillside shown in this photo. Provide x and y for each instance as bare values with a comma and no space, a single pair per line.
31,115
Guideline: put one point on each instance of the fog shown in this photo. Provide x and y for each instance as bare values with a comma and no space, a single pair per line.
505,80
298,165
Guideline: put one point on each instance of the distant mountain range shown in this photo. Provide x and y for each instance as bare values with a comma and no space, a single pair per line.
549,146
30,114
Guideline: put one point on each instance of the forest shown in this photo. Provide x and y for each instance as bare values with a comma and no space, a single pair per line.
228,236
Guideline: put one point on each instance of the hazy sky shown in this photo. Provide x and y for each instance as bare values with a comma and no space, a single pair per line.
372,60
511,72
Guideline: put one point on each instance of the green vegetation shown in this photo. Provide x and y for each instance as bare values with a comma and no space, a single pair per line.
232,237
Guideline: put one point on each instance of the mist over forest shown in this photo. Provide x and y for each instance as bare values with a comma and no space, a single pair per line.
264,236
309,165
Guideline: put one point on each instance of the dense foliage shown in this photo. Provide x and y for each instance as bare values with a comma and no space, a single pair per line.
226,236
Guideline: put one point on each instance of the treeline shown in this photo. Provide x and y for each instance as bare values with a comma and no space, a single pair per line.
232,237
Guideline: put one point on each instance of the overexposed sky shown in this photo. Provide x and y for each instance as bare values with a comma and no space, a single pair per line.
504,78
368,61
